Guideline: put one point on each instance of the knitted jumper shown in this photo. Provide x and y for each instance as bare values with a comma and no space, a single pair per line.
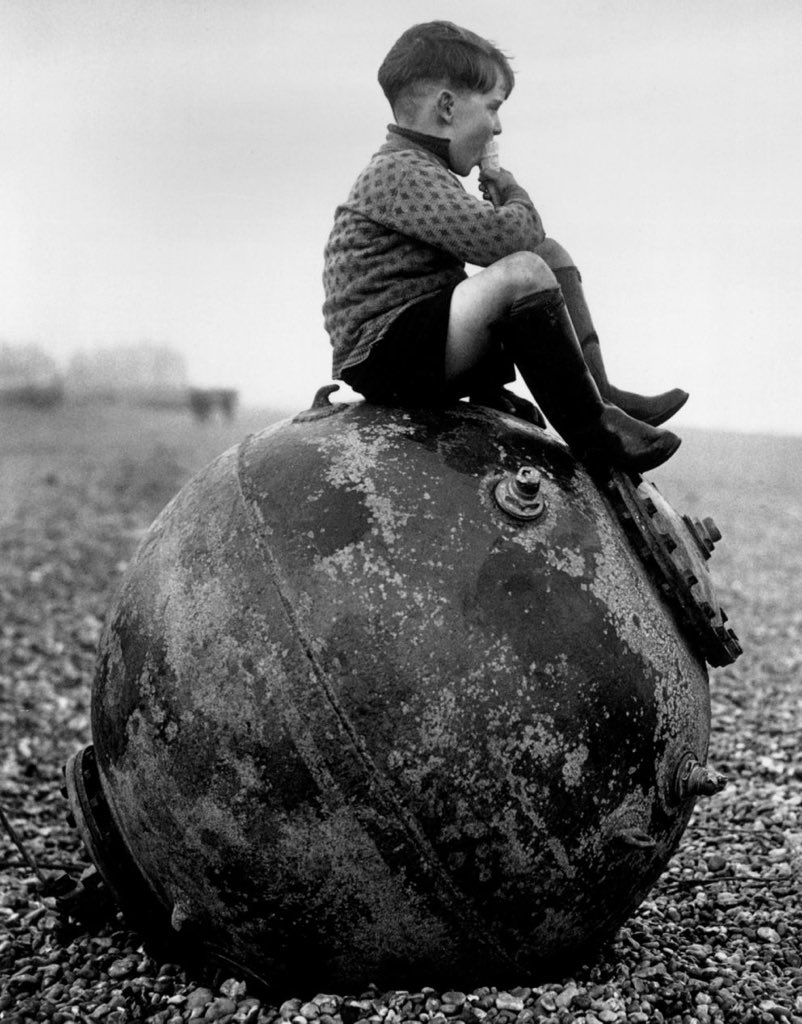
406,230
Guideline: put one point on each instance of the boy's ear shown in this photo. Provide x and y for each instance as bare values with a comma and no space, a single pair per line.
445,105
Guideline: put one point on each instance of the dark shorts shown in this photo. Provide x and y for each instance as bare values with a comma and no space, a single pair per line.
407,365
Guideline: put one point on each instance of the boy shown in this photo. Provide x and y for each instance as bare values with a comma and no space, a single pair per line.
408,326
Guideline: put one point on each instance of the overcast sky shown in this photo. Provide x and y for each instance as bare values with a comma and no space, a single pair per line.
169,171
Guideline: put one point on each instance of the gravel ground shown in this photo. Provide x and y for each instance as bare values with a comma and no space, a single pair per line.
719,937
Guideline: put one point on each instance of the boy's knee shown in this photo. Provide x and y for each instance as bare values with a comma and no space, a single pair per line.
524,273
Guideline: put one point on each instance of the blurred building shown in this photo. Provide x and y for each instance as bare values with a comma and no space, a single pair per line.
145,374
206,402
28,375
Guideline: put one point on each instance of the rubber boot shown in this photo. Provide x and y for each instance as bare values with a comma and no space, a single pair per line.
540,336
651,409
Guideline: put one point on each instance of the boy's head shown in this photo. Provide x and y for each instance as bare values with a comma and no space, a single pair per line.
444,80
439,51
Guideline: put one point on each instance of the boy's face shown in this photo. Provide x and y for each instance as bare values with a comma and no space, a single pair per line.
475,120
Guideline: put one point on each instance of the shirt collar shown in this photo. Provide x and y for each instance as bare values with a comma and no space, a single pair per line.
433,143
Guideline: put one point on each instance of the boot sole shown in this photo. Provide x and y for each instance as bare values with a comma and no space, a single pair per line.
598,457
653,460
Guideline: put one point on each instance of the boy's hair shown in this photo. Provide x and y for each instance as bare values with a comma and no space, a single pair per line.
439,50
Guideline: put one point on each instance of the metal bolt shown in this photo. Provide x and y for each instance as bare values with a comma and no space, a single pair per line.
695,779
699,535
704,536
527,481
713,531
518,494
705,781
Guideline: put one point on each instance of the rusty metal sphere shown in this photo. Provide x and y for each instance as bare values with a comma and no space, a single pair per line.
393,695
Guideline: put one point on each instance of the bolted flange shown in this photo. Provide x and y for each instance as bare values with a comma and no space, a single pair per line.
676,550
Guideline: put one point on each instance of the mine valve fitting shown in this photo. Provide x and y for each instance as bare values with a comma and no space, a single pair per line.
518,494
695,779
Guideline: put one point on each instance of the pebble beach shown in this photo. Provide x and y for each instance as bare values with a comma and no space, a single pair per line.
718,939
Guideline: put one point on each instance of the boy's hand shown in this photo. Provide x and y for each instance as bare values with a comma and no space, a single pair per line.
494,185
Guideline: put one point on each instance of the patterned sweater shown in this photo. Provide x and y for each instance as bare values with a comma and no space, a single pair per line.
406,230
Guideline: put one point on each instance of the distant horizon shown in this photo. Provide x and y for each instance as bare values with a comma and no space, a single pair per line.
344,393
249,408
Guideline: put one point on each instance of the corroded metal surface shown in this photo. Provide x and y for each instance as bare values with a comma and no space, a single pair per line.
351,713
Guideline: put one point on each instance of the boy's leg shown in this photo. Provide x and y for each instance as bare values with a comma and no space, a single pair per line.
475,363
520,293
653,409
480,301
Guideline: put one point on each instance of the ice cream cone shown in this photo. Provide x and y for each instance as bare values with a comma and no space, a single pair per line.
489,159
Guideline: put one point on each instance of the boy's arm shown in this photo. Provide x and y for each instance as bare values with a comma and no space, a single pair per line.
499,187
423,200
